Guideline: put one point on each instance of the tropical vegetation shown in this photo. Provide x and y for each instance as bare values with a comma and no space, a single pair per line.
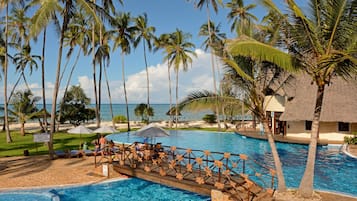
75,107
144,111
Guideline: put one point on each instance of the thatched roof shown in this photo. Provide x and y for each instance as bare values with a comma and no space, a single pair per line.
339,103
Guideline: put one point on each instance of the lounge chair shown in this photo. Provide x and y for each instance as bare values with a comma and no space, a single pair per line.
61,153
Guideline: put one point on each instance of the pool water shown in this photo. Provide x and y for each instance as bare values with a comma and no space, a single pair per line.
123,190
334,170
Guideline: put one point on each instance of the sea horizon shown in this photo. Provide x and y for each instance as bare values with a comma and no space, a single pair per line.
160,110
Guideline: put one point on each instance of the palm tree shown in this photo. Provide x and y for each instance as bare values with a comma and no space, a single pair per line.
242,19
179,51
40,19
23,59
76,35
143,111
5,4
214,3
124,39
24,107
321,44
216,37
146,34
163,42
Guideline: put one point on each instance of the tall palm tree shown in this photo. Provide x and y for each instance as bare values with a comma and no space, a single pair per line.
24,59
77,35
322,44
179,55
123,39
200,4
5,4
163,42
40,20
146,34
104,58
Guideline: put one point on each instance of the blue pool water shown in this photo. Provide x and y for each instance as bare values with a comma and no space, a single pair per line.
334,171
123,190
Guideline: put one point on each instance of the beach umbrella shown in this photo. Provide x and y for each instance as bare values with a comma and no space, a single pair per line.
80,130
151,131
105,129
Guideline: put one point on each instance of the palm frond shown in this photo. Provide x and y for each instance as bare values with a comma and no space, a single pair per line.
240,71
261,52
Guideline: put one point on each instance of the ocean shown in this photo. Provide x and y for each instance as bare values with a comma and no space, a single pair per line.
160,111
119,109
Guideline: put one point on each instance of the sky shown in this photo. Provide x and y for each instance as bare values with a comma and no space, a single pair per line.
166,16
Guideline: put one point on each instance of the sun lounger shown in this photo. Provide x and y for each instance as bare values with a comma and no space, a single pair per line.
61,153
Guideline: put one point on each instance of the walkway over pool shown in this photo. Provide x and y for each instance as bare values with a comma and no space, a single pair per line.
198,171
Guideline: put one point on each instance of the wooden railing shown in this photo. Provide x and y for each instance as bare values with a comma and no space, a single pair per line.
236,174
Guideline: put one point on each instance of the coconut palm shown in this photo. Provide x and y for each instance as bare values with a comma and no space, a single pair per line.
162,42
215,36
242,19
146,34
24,107
102,55
123,39
143,111
24,59
41,18
322,44
200,4
5,4
179,52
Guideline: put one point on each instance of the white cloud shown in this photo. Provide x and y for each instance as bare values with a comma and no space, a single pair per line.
198,77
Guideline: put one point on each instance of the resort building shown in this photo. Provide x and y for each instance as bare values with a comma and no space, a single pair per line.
292,110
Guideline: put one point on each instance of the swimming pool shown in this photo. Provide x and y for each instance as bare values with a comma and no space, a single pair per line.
334,171
123,190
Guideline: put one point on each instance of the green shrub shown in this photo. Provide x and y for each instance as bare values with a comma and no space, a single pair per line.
209,118
119,119
350,140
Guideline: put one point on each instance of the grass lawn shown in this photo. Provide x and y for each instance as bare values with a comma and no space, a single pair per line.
61,141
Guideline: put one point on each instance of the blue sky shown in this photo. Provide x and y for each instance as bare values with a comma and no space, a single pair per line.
166,16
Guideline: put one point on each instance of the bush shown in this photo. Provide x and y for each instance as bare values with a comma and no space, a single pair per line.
350,140
119,119
209,118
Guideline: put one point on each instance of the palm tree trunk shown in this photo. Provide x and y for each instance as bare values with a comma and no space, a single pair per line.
43,80
22,129
176,110
68,81
147,83
306,185
110,97
125,95
213,68
97,116
56,89
100,88
14,87
277,163
170,94
6,112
